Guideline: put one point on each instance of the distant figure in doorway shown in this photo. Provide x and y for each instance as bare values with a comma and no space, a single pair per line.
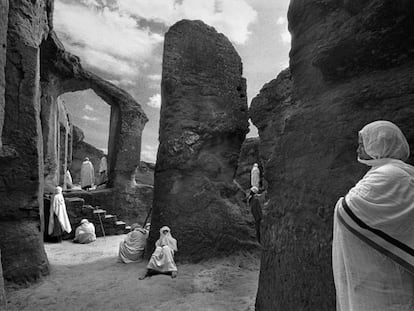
256,209
87,174
67,181
85,233
162,259
132,248
103,172
373,233
58,219
255,176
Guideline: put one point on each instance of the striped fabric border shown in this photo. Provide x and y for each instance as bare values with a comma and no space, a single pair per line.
382,242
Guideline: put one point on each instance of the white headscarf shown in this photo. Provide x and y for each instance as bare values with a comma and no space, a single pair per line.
383,140
167,239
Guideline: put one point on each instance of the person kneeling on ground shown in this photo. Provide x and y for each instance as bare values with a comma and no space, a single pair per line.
85,233
132,248
162,259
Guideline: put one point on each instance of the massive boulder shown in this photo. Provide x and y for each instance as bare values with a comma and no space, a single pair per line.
352,62
21,162
2,293
203,124
4,12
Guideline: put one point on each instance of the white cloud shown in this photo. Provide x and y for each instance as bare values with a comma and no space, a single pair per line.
89,108
281,20
103,38
87,118
231,17
155,101
286,37
155,77
149,155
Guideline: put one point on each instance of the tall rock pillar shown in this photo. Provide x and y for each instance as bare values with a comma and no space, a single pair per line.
202,127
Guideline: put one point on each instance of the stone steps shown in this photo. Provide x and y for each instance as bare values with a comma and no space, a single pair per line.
77,210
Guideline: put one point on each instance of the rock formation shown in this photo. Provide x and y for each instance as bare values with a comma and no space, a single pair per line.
352,62
37,71
2,294
202,126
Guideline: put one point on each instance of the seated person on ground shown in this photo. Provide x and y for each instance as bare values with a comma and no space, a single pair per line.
162,259
132,248
85,233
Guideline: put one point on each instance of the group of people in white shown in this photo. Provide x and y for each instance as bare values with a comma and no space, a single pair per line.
88,180
373,235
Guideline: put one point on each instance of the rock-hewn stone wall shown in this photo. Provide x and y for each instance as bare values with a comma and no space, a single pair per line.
351,63
21,167
4,12
3,300
202,126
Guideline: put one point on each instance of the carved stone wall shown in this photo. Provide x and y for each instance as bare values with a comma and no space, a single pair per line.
203,124
351,63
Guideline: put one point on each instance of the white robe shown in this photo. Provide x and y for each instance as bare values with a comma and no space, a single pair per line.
372,271
255,177
87,174
162,259
132,248
58,207
85,233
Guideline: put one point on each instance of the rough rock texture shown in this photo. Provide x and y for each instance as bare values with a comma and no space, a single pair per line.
351,63
3,300
145,173
21,162
4,12
203,124
249,154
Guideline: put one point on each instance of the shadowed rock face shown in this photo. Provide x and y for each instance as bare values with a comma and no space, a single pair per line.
2,294
202,126
334,92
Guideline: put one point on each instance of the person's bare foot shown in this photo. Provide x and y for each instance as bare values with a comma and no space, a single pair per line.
173,274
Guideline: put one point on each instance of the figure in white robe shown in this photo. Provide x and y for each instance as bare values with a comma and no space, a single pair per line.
58,219
67,181
85,233
87,174
373,238
255,176
162,259
132,248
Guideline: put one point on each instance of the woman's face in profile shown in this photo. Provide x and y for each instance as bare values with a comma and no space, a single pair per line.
361,150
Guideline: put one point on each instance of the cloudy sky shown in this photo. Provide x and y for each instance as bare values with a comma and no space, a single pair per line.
122,41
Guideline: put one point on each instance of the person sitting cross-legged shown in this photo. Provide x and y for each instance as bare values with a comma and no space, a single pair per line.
85,233
162,259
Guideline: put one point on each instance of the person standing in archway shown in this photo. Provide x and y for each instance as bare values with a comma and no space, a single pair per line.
87,174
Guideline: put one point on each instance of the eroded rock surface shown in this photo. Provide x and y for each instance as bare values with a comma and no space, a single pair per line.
202,126
350,65
2,293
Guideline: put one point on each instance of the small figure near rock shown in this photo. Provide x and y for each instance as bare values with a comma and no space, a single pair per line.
87,174
58,219
373,234
162,259
103,172
67,181
256,209
85,233
255,176
132,248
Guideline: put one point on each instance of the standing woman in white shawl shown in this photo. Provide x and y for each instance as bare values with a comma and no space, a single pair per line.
373,238
255,176
162,259
87,174
58,219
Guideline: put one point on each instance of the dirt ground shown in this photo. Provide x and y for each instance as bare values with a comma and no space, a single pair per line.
88,277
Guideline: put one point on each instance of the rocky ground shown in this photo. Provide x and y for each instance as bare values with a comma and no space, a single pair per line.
88,277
